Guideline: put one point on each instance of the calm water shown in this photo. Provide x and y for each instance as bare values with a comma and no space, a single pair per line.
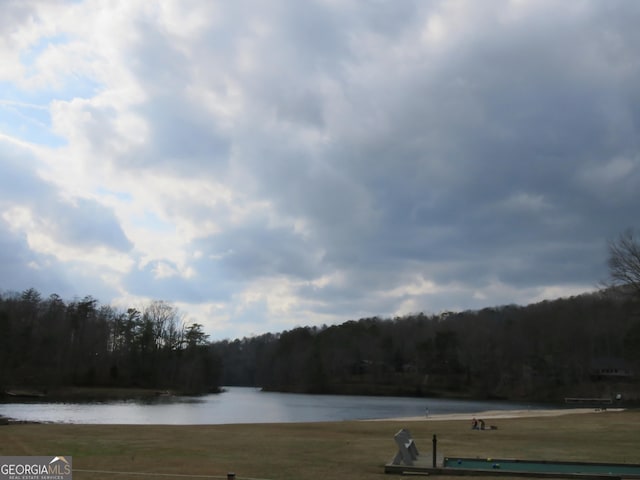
245,405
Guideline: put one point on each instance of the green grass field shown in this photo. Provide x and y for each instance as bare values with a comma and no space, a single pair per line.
317,451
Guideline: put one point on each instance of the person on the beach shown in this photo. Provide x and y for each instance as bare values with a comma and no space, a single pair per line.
481,424
474,424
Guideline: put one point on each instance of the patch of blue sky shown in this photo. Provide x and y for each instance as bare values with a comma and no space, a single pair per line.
25,114
153,223
122,196
28,122
78,86
29,57
71,85
10,93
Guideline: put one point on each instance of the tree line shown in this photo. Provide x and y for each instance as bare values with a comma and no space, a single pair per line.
47,343
544,351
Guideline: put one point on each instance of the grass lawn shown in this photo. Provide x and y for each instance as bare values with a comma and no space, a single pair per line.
318,451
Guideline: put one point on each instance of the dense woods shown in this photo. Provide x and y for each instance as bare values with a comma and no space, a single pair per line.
49,343
584,346
587,345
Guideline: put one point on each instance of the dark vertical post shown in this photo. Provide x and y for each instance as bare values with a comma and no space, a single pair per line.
435,448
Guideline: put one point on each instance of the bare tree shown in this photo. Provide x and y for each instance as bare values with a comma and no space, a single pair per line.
624,261
165,323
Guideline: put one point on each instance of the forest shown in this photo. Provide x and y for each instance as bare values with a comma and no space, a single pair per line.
47,343
583,346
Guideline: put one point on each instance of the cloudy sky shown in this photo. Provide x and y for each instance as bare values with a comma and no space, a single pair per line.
263,165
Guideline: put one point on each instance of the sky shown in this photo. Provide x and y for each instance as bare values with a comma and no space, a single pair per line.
267,165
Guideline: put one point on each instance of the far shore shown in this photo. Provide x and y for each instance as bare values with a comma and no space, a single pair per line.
497,414
88,394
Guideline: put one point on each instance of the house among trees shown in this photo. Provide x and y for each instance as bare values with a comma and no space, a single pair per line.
610,368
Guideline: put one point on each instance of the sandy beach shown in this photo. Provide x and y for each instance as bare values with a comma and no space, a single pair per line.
496,414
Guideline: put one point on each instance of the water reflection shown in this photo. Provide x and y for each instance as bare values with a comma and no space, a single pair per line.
244,405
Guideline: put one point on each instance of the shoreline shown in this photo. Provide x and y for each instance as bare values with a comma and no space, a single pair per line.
496,414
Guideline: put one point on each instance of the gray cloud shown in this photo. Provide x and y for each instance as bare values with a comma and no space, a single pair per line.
23,269
258,251
81,223
146,282
463,164
86,223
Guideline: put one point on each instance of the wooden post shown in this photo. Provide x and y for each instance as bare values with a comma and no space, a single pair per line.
435,448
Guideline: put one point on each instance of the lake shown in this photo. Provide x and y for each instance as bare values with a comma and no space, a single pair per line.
246,405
